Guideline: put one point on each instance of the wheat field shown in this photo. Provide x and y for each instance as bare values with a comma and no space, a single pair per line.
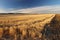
24,27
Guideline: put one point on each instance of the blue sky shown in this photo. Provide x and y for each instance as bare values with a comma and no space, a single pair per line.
27,3
23,4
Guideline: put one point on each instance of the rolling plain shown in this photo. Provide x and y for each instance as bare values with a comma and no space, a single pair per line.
30,27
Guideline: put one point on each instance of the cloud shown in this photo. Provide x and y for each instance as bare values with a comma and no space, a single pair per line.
41,9
3,11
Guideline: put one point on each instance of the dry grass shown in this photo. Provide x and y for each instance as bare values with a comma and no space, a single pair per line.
51,31
23,27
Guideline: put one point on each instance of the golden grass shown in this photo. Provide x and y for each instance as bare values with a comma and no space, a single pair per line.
23,27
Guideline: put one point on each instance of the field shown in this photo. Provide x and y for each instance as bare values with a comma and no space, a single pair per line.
29,27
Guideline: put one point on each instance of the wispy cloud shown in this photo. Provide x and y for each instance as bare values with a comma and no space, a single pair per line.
41,9
3,11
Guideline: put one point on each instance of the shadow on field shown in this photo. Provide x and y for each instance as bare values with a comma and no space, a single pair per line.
51,31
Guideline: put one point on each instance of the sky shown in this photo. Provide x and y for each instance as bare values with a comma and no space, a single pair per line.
29,6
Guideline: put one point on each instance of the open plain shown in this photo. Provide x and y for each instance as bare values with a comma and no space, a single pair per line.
30,27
